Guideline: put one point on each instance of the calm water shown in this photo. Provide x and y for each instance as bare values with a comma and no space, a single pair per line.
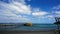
33,28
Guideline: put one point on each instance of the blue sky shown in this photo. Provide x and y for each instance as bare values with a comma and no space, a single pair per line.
34,11
44,4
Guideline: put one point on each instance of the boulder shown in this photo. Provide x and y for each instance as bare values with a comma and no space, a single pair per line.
28,24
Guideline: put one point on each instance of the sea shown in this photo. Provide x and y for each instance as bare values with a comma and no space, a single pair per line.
34,27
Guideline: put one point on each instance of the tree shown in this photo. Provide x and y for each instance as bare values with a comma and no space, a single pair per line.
57,19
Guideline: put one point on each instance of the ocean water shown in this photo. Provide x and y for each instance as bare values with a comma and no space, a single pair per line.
34,27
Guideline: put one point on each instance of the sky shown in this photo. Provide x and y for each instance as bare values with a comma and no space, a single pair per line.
31,11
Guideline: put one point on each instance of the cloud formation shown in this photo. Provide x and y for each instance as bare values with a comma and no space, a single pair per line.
18,11
37,12
9,11
56,7
56,10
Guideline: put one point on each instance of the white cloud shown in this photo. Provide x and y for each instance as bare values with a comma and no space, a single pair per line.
9,11
36,9
56,10
50,16
8,16
17,7
56,7
39,13
57,13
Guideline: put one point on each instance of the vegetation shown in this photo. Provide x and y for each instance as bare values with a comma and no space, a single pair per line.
57,20
57,23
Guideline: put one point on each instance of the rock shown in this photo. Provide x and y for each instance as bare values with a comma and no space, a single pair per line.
28,24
